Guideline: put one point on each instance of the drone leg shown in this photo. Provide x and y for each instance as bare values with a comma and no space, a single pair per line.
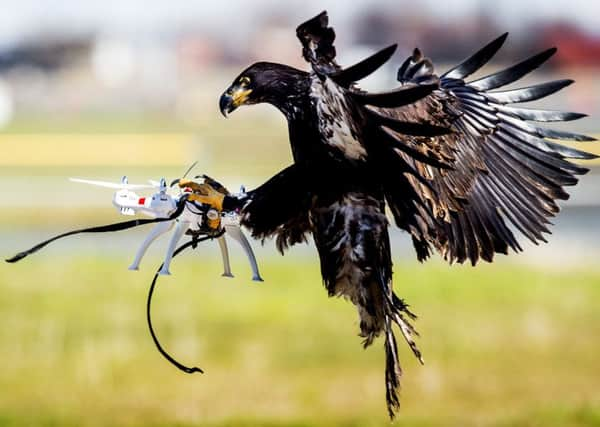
177,235
160,228
236,233
225,255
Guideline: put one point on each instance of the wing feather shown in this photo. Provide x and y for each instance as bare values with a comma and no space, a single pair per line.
512,74
395,98
478,60
530,93
505,173
279,208
540,115
407,128
362,69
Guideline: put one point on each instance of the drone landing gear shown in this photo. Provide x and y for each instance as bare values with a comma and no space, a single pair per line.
159,229
236,233
180,230
225,256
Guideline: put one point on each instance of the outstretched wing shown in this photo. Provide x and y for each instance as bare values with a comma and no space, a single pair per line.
317,43
505,172
279,208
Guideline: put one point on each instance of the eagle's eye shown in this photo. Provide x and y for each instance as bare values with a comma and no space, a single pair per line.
244,81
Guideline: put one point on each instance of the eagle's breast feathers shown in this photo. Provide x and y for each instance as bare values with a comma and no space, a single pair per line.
336,121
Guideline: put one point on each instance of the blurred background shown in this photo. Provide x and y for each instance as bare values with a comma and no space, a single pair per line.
104,89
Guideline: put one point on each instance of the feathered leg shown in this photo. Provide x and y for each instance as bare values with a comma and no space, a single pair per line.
353,243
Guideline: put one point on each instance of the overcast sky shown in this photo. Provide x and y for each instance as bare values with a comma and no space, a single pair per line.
24,18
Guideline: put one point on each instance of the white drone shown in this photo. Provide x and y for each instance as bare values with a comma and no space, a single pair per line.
198,220
191,221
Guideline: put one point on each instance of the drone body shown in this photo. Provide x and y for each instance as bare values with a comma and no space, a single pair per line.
195,219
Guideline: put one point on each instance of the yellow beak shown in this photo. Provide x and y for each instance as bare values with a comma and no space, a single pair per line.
233,98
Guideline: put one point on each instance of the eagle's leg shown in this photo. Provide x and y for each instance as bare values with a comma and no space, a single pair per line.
353,243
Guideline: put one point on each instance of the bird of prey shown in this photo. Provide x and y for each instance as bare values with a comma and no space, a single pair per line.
458,163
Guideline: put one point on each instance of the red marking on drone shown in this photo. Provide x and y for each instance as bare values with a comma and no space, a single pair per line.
141,200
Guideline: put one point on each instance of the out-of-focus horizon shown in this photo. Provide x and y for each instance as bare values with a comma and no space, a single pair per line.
166,57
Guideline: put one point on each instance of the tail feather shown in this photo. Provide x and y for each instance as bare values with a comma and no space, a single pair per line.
408,332
396,312
393,371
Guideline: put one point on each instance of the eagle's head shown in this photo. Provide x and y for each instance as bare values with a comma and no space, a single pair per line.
268,82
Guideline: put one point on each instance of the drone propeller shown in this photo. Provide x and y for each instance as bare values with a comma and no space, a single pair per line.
176,181
192,166
114,185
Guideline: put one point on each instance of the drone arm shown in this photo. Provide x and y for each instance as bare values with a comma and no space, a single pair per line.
225,255
126,202
160,228
236,233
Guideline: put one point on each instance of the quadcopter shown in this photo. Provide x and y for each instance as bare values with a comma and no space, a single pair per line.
167,209
196,219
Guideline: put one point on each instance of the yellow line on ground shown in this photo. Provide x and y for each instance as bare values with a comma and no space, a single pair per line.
125,149
96,149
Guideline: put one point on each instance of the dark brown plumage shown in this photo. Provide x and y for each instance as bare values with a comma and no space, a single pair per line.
457,164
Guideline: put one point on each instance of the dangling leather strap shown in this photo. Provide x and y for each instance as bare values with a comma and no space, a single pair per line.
193,243
101,229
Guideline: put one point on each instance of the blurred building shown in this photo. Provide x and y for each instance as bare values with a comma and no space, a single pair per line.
174,62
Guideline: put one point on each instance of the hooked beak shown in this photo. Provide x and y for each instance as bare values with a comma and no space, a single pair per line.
233,98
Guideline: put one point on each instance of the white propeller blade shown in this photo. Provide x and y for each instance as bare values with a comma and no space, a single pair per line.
115,185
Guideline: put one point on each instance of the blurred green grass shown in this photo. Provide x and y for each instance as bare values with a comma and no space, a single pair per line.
504,346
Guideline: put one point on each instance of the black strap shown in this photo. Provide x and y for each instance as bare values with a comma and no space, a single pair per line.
193,243
101,229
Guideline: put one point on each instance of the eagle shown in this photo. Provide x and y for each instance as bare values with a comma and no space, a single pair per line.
461,167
